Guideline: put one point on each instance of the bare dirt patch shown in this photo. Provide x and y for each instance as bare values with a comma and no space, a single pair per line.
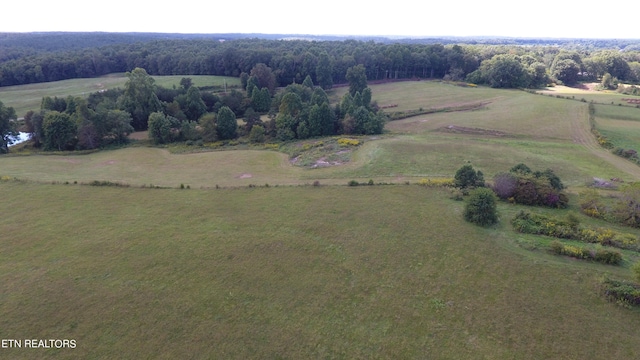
244,176
472,131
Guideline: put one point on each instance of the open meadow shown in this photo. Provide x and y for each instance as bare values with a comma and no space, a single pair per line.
231,268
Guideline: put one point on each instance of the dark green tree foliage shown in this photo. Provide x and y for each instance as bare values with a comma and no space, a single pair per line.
59,131
357,77
8,130
504,71
468,177
286,127
567,71
139,98
266,77
319,97
33,125
481,208
252,84
324,71
195,106
257,134
55,104
160,128
261,100
226,124
208,128
308,82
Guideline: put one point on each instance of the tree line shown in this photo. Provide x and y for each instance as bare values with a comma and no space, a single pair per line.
186,113
292,61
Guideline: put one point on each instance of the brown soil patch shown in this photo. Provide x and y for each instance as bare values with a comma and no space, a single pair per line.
472,131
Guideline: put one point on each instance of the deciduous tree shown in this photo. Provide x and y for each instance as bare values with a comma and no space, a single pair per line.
8,131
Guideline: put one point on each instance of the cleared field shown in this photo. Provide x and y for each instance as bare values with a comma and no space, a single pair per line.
367,272
620,124
295,272
28,97
602,97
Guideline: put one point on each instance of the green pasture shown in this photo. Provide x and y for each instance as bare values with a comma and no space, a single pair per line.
289,272
28,97
230,268
621,125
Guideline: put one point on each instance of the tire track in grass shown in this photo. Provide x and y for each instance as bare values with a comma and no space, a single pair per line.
581,134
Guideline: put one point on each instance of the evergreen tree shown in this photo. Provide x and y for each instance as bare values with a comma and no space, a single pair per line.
226,124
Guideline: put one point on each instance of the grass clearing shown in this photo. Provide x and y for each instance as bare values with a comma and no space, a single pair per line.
312,271
258,273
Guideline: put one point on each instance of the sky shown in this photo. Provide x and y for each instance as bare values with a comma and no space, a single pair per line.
534,19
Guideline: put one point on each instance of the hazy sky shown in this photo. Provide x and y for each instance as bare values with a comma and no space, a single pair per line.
540,18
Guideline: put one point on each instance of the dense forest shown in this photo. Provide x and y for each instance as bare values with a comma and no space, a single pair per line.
32,58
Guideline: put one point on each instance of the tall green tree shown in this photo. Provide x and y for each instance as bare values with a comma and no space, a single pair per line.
139,98
8,131
324,71
567,71
357,77
226,124
261,100
160,126
266,77
59,130
504,71
195,106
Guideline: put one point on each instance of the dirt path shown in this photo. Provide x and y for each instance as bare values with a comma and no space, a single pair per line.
581,133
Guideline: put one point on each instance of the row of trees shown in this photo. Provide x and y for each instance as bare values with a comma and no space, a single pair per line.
186,114
326,62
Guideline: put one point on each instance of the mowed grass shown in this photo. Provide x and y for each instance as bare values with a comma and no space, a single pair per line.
620,124
578,94
288,272
29,97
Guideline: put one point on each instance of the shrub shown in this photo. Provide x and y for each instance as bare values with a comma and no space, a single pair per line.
353,183
348,142
481,208
505,185
606,256
636,270
624,292
467,177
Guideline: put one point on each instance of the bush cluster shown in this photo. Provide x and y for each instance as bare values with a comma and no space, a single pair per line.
523,186
348,142
605,256
623,292
530,223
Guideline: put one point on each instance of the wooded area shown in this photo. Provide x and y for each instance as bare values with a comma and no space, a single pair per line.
68,56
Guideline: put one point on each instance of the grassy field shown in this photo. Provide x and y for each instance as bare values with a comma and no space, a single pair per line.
28,97
620,124
293,272
334,272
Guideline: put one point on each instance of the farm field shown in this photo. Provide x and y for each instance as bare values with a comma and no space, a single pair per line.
260,273
28,97
235,269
